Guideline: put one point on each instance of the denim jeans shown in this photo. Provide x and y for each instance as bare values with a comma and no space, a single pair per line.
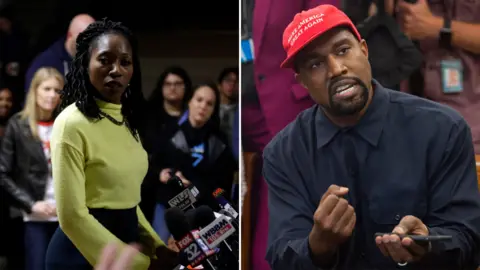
37,238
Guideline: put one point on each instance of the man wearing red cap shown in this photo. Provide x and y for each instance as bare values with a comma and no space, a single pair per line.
271,98
366,160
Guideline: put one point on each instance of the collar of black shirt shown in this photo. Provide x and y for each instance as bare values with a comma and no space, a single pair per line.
370,125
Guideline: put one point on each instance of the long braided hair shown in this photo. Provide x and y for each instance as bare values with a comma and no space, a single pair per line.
79,90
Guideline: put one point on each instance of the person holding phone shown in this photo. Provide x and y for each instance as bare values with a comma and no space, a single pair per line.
196,152
365,160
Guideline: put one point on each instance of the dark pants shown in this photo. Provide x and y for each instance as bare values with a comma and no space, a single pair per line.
14,242
37,237
62,253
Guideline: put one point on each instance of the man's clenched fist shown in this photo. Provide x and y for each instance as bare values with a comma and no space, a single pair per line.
334,221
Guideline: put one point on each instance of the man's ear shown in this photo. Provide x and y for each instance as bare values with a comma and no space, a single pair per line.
298,78
364,47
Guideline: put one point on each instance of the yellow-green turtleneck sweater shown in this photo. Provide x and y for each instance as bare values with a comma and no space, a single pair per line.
97,164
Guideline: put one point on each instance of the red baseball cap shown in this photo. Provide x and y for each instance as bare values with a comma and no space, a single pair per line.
310,24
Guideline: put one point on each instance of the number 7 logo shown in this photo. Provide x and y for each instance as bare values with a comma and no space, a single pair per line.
198,160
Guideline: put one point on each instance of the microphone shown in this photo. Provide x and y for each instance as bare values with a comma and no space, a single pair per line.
224,204
199,222
185,198
192,250
175,183
232,218
235,241
215,232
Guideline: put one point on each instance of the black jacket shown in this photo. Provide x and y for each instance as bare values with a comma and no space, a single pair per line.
393,56
159,128
23,166
214,171
4,220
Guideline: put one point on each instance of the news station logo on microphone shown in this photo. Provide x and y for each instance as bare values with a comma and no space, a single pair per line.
201,243
216,232
183,200
191,250
218,195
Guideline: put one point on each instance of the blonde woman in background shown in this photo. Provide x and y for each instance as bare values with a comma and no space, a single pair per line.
25,168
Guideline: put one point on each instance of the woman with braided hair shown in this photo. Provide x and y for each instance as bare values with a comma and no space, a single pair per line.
97,158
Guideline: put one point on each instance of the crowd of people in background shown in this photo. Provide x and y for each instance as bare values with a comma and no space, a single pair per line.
189,131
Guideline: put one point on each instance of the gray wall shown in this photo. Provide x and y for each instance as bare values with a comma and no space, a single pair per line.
202,53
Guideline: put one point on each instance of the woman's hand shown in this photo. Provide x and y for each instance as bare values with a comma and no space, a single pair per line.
165,174
53,212
110,261
44,209
185,181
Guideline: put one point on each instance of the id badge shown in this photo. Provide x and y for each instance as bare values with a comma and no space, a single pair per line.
452,76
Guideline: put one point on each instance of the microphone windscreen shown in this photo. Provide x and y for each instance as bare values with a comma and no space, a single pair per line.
203,216
177,223
190,215
175,183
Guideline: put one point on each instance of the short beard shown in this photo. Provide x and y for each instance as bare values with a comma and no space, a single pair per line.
348,108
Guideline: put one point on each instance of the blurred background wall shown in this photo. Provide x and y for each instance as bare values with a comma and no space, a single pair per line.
201,36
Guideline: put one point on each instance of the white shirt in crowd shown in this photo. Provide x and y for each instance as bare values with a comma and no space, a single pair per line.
45,132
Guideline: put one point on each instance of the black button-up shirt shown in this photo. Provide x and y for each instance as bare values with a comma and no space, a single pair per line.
406,156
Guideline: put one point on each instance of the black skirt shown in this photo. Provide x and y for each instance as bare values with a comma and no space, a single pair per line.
62,253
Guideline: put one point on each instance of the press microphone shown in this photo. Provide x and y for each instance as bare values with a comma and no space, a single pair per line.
232,218
236,238
191,215
193,252
185,198
175,183
215,232
224,204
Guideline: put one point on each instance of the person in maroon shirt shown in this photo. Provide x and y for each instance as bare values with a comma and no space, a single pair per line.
448,32
278,97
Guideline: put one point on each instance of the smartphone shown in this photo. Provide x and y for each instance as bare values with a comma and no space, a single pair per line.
422,238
